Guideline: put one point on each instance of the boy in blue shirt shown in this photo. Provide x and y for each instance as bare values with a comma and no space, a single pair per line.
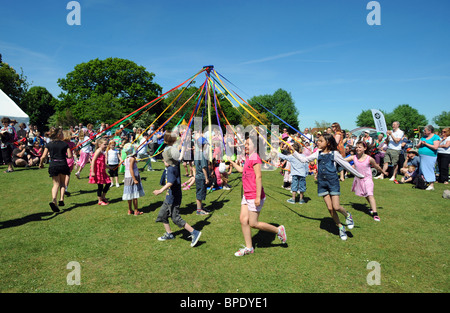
171,182
201,174
299,170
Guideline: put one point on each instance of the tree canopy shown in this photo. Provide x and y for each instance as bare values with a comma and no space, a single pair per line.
106,90
281,104
408,117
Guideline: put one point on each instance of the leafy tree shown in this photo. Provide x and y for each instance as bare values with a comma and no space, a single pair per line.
39,104
13,84
281,104
106,90
408,117
365,118
442,119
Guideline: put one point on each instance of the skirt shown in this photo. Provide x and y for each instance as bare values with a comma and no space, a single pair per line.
56,170
427,164
131,190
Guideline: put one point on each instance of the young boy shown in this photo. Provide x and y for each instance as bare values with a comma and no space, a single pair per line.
172,202
201,174
299,171
410,174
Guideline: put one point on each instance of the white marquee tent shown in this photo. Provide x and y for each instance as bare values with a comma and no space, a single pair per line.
8,108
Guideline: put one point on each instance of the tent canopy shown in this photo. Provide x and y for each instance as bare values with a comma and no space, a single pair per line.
8,108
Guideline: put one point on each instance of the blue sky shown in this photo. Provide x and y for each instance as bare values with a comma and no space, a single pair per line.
321,51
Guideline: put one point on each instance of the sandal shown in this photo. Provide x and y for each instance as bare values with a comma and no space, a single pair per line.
136,213
130,212
103,203
187,187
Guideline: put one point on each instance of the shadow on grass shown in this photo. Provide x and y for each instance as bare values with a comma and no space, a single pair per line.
36,217
264,239
326,223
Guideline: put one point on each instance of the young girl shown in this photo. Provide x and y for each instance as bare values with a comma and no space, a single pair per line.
85,152
98,172
363,187
328,181
253,198
58,168
132,189
113,160
70,160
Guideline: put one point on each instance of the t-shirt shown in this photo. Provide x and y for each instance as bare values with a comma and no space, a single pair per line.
58,152
249,177
442,149
173,176
15,156
398,134
200,163
426,150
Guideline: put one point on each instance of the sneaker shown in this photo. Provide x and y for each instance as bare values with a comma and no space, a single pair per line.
166,236
282,234
111,185
430,188
202,212
392,178
195,237
376,218
102,203
117,185
349,221
301,201
379,177
244,251
342,233
77,175
290,200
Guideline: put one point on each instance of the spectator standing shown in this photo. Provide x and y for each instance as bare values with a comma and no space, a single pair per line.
428,146
392,154
443,156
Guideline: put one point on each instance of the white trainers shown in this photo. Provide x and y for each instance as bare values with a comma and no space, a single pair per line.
392,178
379,177
244,251
430,188
342,233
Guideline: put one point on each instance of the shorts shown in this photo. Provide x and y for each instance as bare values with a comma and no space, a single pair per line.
200,188
298,183
7,154
391,156
251,204
328,184
169,210
113,170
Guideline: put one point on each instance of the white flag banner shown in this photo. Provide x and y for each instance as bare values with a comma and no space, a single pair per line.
380,123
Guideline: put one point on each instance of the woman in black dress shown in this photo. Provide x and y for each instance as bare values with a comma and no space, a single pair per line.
58,168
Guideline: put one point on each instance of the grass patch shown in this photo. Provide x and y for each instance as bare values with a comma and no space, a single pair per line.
120,253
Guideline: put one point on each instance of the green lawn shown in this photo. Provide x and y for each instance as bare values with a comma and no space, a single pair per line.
121,253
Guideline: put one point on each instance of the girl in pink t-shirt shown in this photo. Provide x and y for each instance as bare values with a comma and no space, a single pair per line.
253,198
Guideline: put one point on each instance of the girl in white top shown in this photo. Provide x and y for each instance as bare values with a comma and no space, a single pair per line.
85,152
113,160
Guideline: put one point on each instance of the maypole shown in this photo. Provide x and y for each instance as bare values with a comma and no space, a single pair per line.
209,91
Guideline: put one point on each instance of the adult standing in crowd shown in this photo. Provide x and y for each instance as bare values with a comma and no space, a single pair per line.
443,156
392,154
7,139
428,146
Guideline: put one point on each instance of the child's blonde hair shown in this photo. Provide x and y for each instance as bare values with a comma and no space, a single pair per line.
100,142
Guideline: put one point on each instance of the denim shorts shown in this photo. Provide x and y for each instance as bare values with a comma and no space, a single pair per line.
298,183
328,184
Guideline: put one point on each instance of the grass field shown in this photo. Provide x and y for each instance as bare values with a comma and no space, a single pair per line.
121,253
